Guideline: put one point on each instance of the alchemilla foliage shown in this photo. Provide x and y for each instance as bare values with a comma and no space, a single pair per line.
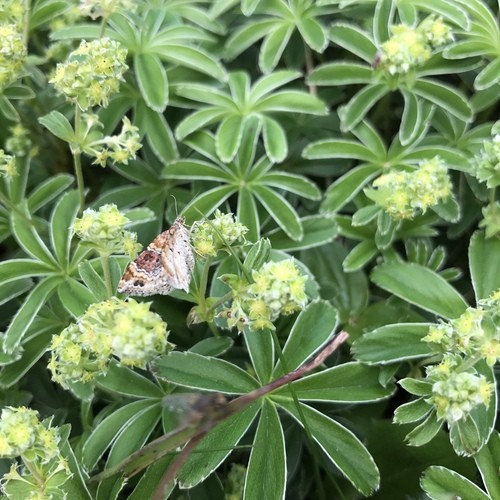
337,165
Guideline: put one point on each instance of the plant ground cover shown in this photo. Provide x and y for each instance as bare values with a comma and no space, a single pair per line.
322,319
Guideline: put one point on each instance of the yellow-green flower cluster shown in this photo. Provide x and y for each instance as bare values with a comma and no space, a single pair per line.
476,333
104,230
409,47
37,444
19,142
92,73
208,237
278,288
12,53
127,330
491,220
404,194
13,11
118,148
8,167
458,393
235,482
104,8
21,433
488,163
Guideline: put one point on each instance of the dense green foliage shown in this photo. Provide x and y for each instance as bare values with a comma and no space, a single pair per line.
356,146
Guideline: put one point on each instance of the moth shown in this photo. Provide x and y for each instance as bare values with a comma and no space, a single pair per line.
165,265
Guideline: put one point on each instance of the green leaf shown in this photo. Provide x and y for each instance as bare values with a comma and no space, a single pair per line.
293,101
280,210
411,119
149,481
48,190
44,11
489,76
194,58
59,125
122,380
391,343
216,446
340,73
106,431
61,225
198,120
355,40
135,434
318,317
273,46
412,412
464,49
420,286
444,96
261,351
207,94
29,240
425,432
266,472
417,387
441,483
360,255
152,80
15,269
356,109
448,210
447,9
338,148
348,186
342,447
75,297
158,133
346,383
92,280
318,230
33,350
484,265
248,214
26,314
313,33
382,20
348,292
266,84
246,36
228,137
197,170
210,374
487,461
207,202
274,139
293,183
258,255
13,289
213,346
465,436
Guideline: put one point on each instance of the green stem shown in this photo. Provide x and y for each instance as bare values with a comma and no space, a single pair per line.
8,204
77,162
317,476
469,362
201,298
86,415
107,273
40,480
309,68
492,198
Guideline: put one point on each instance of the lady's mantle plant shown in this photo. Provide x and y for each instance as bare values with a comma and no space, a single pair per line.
354,144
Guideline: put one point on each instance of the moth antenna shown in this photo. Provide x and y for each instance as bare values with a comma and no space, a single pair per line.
175,205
